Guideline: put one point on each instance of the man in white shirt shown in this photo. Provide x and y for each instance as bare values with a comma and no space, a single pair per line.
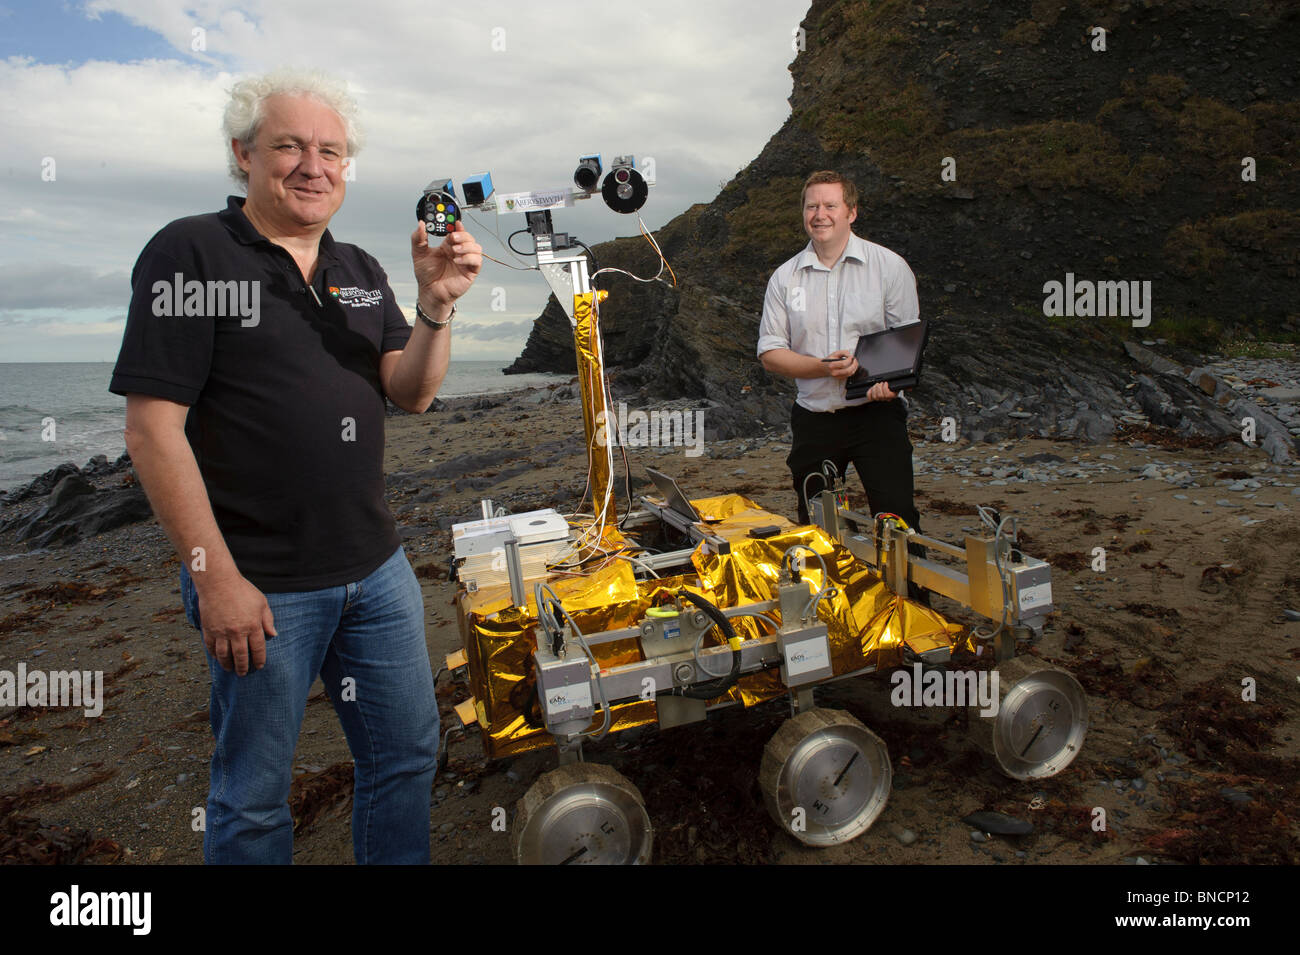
818,304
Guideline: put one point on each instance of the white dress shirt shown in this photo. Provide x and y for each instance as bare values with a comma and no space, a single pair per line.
815,310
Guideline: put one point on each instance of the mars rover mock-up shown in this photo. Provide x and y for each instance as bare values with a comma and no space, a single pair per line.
577,627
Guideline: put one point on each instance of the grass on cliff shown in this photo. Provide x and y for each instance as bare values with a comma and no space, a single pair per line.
1258,239
872,105
768,226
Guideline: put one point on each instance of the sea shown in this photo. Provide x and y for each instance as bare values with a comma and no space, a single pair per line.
51,412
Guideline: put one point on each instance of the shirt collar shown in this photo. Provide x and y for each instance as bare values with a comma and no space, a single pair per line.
233,218
855,249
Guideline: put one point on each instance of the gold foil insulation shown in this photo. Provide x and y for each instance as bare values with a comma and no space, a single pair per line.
867,624
595,402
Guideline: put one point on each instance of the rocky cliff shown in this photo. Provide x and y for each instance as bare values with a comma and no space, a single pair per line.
999,147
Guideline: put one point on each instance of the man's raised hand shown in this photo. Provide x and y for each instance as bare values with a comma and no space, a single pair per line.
445,272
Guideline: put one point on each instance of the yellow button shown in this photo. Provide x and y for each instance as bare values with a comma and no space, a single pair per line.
441,207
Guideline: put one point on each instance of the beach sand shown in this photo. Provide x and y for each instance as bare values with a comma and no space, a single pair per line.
1190,604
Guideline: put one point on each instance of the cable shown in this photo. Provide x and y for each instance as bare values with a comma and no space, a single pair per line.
640,563
695,651
989,516
758,615
712,688
663,262
826,590
538,590
511,245
655,245
806,502
591,255
496,231
794,572
517,268
829,474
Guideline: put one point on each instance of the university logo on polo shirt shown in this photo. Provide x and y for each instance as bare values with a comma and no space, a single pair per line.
357,297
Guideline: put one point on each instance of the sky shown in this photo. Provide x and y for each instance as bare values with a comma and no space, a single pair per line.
110,127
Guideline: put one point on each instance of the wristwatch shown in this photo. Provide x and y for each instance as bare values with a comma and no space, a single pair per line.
420,314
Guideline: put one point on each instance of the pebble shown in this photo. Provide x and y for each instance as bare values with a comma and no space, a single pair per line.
182,779
998,823
447,827
977,836
1235,796
906,837
1139,784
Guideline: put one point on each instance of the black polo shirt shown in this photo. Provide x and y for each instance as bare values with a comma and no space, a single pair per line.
286,410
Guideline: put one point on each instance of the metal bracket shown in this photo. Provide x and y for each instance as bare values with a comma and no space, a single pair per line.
801,700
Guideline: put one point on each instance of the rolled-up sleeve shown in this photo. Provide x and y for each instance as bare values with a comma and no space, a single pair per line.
774,328
901,304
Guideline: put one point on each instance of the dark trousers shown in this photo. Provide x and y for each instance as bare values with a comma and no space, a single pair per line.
874,437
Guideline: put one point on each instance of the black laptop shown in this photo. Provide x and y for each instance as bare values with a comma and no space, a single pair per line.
893,355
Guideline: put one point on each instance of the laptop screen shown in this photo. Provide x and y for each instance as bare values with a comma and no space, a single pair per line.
677,501
890,355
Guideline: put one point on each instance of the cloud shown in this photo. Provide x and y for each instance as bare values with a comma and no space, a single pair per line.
700,87
47,285
497,332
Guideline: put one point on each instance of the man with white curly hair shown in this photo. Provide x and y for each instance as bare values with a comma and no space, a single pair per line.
257,355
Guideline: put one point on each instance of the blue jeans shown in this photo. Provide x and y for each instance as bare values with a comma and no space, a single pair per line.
366,641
